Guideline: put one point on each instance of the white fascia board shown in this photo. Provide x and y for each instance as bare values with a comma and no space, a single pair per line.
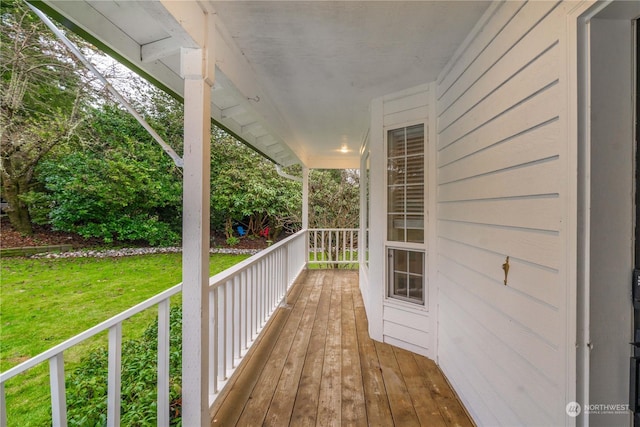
96,25
351,161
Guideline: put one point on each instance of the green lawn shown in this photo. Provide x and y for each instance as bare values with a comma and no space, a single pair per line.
43,302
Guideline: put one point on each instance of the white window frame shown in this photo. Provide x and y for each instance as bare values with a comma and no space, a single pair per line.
407,246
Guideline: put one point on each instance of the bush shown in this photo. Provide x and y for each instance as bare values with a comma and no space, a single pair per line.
87,385
125,193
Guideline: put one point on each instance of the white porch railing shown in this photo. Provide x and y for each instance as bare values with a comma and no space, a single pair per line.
247,294
55,357
242,298
333,247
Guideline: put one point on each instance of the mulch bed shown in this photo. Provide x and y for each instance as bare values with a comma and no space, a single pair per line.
44,236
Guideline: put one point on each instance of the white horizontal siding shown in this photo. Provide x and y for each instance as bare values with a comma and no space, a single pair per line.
406,328
500,178
406,334
408,106
526,403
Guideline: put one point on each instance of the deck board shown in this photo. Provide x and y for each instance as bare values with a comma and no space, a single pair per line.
353,405
330,401
306,405
315,365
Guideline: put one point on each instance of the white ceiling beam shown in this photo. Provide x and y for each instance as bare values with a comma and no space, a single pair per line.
262,140
275,143
159,49
250,127
232,111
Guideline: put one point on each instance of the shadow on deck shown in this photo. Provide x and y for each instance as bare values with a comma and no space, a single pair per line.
314,364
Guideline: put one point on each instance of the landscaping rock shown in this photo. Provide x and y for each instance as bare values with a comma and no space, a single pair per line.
113,253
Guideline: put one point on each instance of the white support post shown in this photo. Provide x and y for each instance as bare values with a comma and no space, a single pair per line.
305,197
164,311
305,210
58,393
198,72
114,378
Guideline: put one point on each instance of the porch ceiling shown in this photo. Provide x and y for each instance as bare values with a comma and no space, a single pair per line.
294,79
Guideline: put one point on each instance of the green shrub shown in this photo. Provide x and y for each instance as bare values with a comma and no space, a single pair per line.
87,385
232,241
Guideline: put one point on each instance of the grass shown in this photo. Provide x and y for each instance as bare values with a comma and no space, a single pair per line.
319,260
46,301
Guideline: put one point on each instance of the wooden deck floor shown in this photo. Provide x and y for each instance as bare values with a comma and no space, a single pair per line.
315,365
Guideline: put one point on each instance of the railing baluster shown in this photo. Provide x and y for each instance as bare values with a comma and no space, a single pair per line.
222,334
274,281
284,272
251,303
278,265
255,303
315,245
242,329
344,245
58,393
259,297
267,293
352,251
272,284
275,294
114,372
3,407
264,294
163,363
228,320
334,250
235,323
213,341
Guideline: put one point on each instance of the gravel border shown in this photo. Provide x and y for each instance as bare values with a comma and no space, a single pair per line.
114,253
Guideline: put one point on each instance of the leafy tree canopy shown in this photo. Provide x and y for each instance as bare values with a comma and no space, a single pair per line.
120,186
246,189
42,91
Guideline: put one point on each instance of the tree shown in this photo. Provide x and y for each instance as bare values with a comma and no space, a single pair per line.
333,203
119,186
246,189
334,198
42,91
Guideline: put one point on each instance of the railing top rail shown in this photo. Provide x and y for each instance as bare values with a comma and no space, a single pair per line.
334,229
48,354
247,263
